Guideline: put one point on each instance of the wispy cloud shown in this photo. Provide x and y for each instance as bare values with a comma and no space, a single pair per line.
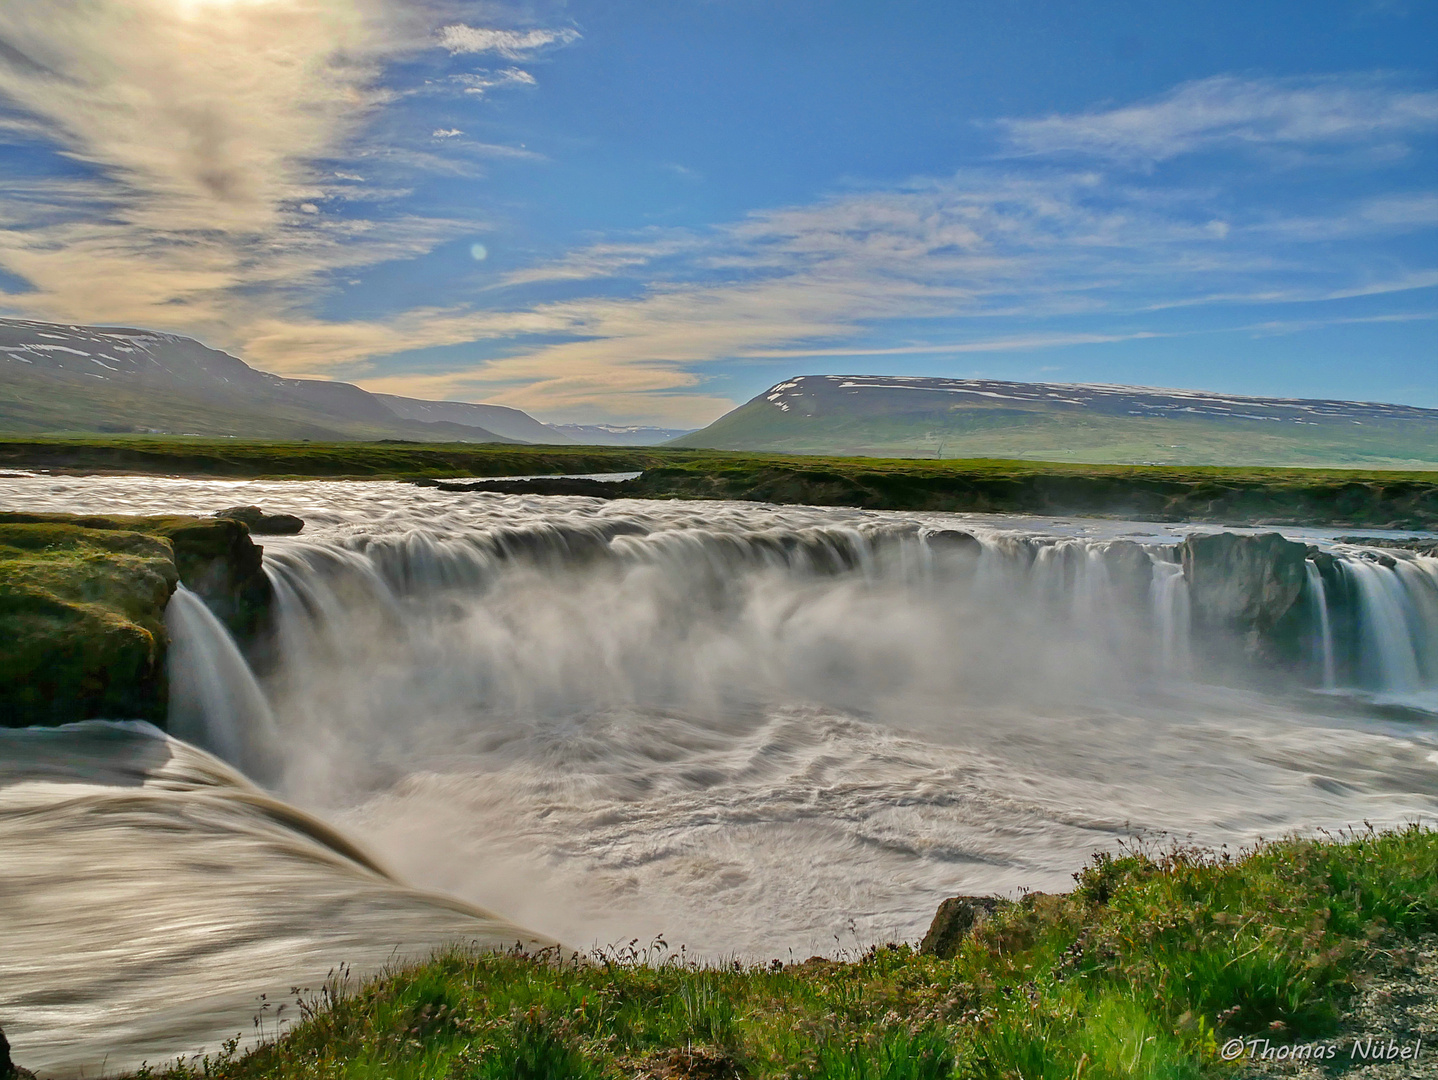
209,134
606,260
512,44
981,248
1230,112
225,149
480,82
1020,343
218,145
218,112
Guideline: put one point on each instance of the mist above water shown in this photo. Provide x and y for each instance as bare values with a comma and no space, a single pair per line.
786,732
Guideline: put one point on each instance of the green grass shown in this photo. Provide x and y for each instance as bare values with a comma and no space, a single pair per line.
1232,494
1235,495
1143,971
82,618
238,458
82,609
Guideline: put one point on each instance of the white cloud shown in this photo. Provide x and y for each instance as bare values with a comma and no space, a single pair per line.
208,145
981,248
219,116
513,44
1228,111
211,139
481,81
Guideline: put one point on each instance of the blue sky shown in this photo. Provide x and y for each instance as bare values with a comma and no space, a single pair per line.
648,212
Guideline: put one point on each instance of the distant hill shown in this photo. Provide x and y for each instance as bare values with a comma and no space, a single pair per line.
900,416
500,419
60,378
614,435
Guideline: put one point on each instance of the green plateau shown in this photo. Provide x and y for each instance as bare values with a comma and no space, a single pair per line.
1234,495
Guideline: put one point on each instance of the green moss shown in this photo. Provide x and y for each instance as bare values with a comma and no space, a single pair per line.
1155,959
82,602
1232,494
82,619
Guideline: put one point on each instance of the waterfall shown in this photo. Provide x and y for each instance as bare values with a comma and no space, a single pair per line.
215,701
543,617
1396,607
1318,595
1171,613
756,729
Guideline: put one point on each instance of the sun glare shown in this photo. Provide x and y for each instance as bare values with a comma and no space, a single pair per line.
199,7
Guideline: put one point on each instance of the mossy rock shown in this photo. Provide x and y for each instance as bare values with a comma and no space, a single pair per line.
82,608
956,919
82,618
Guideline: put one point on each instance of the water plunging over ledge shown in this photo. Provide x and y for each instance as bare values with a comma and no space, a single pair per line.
760,729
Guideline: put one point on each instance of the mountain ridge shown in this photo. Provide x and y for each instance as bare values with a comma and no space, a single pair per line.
1099,423
67,377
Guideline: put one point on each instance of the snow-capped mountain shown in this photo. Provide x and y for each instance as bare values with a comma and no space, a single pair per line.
892,415
616,434
56,377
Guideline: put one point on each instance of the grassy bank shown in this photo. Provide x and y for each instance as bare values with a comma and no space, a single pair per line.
242,459
82,608
82,617
1147,969
1234,495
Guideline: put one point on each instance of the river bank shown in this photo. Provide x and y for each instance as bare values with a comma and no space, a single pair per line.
1234,496
1163,962
761,731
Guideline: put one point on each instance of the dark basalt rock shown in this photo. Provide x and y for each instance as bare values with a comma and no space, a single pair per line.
1244,593
956,919
1131,569
218,560
261,523
1417,545
8,1069
955,540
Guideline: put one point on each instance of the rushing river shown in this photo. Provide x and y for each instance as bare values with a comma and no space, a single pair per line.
759,731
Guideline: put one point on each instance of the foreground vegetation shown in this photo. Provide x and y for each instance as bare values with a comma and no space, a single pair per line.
1233,495
1147,969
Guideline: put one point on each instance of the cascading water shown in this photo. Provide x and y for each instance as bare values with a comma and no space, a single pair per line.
1318,594
215,701
1396,612
766,729
1171,613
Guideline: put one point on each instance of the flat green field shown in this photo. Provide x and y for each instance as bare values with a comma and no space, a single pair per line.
168,455
1230,494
